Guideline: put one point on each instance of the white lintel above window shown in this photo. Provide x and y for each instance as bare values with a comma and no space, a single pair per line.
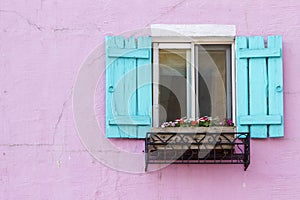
193,32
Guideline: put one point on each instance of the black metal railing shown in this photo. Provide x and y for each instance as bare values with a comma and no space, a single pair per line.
197,148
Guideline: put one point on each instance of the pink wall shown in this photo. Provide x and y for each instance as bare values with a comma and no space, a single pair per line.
42,45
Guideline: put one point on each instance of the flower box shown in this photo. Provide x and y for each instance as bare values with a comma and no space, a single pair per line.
197,145
218,137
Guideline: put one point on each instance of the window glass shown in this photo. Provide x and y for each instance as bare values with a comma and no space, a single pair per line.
212,86
173,84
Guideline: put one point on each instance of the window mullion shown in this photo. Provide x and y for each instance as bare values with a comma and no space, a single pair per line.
233,85
188,85
196,82
193,81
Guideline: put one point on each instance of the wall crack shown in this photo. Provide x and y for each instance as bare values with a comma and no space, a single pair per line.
29,22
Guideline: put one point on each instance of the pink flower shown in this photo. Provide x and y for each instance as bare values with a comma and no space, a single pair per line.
229,122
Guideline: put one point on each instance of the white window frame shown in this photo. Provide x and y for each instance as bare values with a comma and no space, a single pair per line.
165,36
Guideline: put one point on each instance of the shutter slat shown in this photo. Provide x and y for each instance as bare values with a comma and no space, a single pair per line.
259,53
257,87
129,102
119,82
242,84
128,53
144,80
260,119
275,87
130,120
111,64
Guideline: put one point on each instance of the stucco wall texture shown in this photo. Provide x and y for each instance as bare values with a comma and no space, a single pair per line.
42,45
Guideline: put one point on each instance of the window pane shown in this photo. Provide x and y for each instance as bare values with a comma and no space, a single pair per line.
212,81
172,80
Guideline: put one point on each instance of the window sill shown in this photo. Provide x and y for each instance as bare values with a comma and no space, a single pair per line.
212,129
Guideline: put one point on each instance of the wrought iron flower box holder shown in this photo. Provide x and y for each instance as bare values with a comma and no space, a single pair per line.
197,148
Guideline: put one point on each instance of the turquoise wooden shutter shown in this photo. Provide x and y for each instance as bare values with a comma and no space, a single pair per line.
128,87
259,86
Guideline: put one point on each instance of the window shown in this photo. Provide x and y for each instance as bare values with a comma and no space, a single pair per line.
191,85
196,70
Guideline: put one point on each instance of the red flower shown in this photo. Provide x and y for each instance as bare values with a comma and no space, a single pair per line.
194,123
